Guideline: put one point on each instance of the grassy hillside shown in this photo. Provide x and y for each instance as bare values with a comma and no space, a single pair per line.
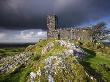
98,63
10,51
50,62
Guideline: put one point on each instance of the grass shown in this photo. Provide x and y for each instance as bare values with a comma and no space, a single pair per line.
78,69
101,64
11,51
98,62
19,75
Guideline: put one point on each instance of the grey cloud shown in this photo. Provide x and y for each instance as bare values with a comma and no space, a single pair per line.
18,36
31,14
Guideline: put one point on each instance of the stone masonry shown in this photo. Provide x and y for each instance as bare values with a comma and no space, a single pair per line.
85,34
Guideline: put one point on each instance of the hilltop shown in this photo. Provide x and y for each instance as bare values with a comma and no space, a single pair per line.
58,61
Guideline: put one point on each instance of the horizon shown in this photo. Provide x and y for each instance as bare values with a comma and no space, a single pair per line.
25,21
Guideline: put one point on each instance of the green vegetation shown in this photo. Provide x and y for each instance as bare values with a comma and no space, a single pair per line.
74,73
19,75
98,62
11,51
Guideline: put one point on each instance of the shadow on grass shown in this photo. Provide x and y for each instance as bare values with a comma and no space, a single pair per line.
87,65
91,53
14,76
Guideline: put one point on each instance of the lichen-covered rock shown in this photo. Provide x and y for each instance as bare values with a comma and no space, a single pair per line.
62,66
32,76
56,62
73,48
11,63
47,47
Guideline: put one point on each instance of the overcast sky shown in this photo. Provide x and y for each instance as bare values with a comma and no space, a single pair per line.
25,20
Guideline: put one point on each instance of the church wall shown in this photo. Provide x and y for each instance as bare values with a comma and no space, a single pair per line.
66,33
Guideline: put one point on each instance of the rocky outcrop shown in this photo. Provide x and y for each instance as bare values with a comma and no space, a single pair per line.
11,63
74,49
57,63
47,48
61,66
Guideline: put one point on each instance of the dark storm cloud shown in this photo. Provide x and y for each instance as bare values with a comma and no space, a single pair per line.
84,12
31,14
20,14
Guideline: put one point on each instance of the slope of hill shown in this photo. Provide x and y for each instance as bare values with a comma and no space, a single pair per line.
98,62
52,61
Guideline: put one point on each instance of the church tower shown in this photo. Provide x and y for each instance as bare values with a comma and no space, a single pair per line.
51,25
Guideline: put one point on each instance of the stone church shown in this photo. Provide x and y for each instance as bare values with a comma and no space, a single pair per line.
84,34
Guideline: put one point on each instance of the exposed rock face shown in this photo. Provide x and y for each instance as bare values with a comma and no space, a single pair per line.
33,76
58,63
63,66
11,63
73,49
47,47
